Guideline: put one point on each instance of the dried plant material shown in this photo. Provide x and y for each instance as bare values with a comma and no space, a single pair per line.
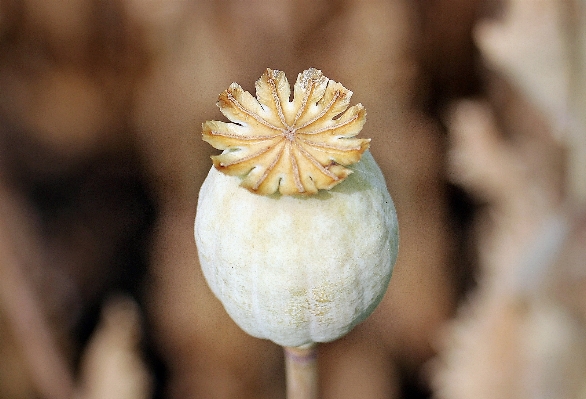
539,47
21,307
527,45
514,338
529,331
294,147
111,365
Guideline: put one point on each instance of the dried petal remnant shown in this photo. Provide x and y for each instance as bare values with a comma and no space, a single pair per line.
294,147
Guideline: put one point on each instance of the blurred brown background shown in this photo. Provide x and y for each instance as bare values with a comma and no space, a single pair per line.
477,111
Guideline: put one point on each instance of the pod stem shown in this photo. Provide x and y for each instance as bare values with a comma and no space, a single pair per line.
301,371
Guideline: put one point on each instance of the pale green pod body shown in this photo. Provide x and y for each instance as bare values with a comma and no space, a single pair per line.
294,269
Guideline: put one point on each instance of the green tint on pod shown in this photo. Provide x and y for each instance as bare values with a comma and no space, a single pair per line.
293,269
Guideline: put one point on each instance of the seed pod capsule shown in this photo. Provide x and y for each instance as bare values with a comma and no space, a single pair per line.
312,257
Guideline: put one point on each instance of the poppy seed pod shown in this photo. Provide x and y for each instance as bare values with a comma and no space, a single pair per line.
312,257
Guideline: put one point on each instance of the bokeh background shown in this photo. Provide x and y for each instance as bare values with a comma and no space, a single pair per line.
477,111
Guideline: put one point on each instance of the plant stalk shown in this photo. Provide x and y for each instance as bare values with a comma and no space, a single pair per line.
301,372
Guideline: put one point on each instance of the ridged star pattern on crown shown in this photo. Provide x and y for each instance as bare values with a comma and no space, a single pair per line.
294,147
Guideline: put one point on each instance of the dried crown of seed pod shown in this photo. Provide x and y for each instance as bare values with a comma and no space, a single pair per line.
295,147
289,268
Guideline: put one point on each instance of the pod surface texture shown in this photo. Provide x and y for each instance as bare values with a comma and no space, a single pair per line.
297,270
